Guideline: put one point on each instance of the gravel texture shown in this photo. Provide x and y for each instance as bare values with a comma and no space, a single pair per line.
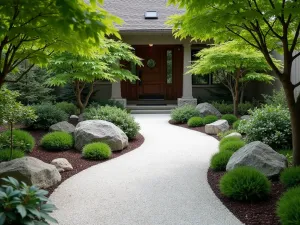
163,182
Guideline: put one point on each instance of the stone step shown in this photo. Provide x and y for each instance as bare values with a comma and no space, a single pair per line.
151,107
150,111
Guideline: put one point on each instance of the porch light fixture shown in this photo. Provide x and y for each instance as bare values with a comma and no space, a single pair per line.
151,15
150,45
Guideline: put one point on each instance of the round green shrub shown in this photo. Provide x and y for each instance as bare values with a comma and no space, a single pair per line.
232,146
121,118
290,177
47,115
228,139
67,107
210,119
5,154
184,113
57,140
225,133
230,118
219,160
270,125
22,140
245,184
195,122
288,207
96,151
236,124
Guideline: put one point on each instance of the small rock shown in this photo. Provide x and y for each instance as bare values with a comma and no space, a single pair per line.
206,109
74,117
217,127
90,131
234,134
62,164
245,117
63,126
32,171
260,156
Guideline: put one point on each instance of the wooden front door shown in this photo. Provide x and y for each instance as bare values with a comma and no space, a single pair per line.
160,76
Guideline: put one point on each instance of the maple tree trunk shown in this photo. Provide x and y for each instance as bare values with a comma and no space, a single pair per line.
11,141
294,108
237,94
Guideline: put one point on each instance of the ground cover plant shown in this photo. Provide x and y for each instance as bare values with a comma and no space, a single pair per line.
230,118
195,122
290,177
57,141
21,140
96,151
232,146
5,154
219,160
121,118
210,119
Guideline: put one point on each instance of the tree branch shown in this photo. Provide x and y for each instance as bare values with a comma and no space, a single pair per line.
21,76
295,56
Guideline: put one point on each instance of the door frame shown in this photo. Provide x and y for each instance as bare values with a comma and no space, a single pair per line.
130,90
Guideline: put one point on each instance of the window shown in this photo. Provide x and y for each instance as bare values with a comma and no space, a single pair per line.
169,66
202,80
151,15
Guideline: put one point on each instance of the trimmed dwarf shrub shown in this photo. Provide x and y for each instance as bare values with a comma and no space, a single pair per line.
225,108
236,124
219,160
228,139
270,125
67,107
210,119
47,115
288,207
121,118
22,140
230,118
57,140
184,113
290,177
24,205
96,151
232,146
5,154
245,184
195,122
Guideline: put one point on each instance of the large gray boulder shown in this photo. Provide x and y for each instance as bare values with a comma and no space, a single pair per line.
260,156
99,130
32,171
206,109
63,126
217,127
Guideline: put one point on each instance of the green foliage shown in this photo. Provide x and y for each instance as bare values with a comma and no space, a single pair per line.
225,108
232,146
210,119
115,115
228,139
288,207
22,140
5,154
230,118
47,115
269,124
57,140
32,30
96,151
290,177
195,122
23,205
288,154
236,124
98,103
32,87
67,107
219,160
245,184
184,113
277,98
221,135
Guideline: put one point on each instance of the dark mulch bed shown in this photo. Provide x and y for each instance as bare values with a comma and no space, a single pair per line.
259,213
73,156
199,129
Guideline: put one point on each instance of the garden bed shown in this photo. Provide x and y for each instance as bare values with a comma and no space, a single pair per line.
259,213
73,156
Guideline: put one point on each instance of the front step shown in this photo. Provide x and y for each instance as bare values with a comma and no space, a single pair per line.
153,109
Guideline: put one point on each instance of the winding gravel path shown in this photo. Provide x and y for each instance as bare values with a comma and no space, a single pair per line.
161,183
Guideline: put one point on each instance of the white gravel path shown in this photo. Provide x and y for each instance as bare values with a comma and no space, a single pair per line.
161,183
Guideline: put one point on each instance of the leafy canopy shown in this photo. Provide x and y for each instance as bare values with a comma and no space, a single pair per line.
33,29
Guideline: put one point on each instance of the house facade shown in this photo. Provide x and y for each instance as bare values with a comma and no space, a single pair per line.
166,60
